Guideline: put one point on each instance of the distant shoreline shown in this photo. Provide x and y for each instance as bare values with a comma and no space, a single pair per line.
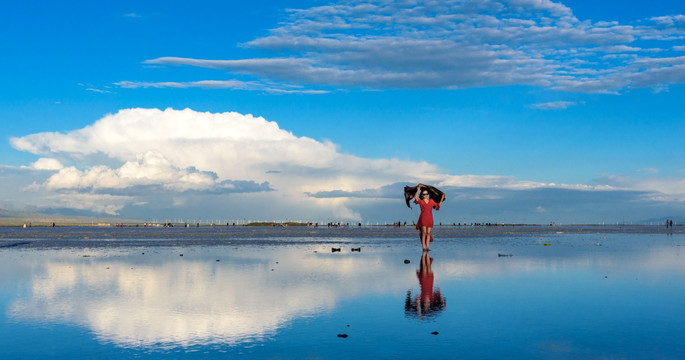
103,223
277,224
46,221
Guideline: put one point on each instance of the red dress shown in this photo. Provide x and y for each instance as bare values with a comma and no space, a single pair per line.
426,217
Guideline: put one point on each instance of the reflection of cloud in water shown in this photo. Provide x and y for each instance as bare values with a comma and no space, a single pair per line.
161,299
179,301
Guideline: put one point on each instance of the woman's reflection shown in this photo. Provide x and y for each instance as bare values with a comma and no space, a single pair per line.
430,303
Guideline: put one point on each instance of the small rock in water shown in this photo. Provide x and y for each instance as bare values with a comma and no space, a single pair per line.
406,261
357,249
335,249
505,255
181,255
342,335
435,333
217,260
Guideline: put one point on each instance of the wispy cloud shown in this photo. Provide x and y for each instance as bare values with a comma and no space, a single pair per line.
91,88
647,171
99,91
554,105
220,84
460,44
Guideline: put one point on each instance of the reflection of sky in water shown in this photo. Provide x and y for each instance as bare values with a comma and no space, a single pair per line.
172,300
583,296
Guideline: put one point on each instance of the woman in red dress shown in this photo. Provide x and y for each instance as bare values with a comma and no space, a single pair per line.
425,223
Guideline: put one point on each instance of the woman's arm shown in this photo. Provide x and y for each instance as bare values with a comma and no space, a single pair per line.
417,196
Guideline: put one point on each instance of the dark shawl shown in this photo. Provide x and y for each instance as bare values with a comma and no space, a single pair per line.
433,193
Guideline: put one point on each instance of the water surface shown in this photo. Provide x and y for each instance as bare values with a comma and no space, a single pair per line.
282,293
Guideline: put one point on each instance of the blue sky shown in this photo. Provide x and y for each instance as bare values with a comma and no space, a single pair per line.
524,111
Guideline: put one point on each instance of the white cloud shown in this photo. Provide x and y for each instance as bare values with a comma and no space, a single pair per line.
666,189
47,164
148,169
456,44
670,21
186,150
99,203
139,161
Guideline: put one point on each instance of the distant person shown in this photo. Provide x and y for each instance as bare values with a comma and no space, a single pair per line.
425,223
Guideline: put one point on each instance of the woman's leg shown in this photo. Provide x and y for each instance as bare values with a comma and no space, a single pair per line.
423,237
427,235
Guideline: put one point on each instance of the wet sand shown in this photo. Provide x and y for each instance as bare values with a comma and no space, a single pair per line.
48,237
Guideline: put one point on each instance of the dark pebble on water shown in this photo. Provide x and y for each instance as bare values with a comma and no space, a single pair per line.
181,255
342,335
406,261
435,333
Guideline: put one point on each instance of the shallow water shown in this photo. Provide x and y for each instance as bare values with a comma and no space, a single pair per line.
281,293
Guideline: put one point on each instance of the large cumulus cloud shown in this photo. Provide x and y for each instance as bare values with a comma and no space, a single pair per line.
184,164
144,152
